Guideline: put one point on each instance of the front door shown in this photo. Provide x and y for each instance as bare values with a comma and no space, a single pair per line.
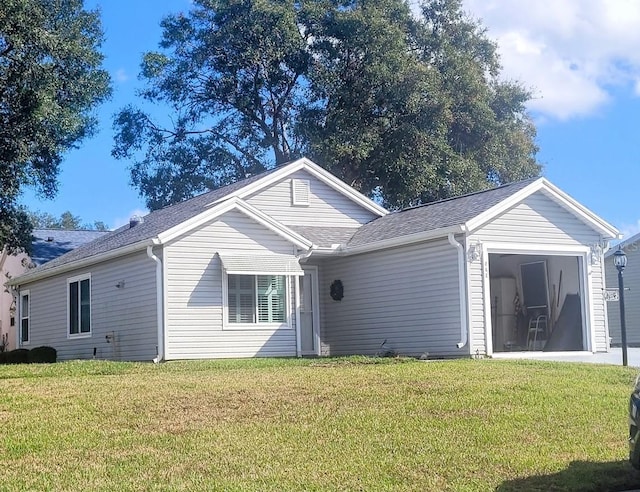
309,313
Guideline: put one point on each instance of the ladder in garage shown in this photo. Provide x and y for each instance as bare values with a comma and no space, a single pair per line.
537,332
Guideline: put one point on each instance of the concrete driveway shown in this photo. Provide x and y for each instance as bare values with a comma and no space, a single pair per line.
614,356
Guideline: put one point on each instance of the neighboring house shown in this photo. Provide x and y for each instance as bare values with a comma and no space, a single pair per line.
47,244
295,262
631,275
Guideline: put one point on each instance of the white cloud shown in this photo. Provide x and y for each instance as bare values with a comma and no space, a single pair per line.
569,53
120,221
121,75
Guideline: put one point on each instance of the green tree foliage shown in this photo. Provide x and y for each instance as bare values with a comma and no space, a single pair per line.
50,80
67,221
406,108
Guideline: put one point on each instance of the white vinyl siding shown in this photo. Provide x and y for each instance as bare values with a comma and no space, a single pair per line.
127,315
327,207
407,296
25,309
537,220
195,293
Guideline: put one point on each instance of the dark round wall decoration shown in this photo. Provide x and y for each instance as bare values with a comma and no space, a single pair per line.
336,291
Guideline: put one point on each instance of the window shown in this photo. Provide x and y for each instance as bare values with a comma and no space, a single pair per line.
256,299
79,291
25,308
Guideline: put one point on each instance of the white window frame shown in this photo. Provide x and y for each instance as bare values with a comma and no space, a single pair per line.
27,294
80,334
255,326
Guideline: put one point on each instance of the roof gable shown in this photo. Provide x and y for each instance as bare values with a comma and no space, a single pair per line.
557,195
318,172
166,221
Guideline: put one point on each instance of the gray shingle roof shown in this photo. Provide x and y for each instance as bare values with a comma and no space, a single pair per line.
49,244
153,224
325,236
436,215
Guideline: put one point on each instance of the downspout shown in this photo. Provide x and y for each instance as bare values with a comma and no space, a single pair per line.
462,289
159,297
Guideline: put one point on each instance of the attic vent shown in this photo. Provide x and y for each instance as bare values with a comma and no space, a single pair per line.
135,220
300,191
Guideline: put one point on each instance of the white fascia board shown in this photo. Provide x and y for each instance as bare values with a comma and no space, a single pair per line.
315,170
84,262
242,206
555,193
401,240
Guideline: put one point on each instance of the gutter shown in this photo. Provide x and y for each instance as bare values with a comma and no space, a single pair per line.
159,298
464,334
72,265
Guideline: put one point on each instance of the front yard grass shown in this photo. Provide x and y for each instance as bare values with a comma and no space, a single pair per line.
323,424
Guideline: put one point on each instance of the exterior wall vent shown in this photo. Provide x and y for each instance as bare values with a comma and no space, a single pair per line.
300,192
135,220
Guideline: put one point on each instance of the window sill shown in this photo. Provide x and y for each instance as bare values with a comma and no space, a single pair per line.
78,335
256,326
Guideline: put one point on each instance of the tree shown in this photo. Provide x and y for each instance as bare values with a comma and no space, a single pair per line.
232,76
67,221
406,109
50,81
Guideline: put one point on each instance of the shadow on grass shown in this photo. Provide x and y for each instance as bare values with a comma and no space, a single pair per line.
583,476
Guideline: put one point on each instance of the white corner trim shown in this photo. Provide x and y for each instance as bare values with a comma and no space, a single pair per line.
235,203
318,172
555,193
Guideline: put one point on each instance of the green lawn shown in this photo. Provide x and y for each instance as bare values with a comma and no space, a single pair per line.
335,424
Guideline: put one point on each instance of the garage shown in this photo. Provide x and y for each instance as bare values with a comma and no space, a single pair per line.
535,275
537,303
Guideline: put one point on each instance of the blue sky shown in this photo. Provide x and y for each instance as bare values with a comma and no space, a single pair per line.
579,58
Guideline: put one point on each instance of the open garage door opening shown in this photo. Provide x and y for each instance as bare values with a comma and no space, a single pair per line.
537,303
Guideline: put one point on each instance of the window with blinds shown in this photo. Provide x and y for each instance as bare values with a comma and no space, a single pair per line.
257,298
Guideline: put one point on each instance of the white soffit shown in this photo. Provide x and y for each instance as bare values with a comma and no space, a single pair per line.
235,264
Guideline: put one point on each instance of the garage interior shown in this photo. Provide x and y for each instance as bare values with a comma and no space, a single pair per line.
536,303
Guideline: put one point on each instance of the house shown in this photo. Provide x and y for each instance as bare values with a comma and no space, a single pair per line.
47,244
631,274
295,262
